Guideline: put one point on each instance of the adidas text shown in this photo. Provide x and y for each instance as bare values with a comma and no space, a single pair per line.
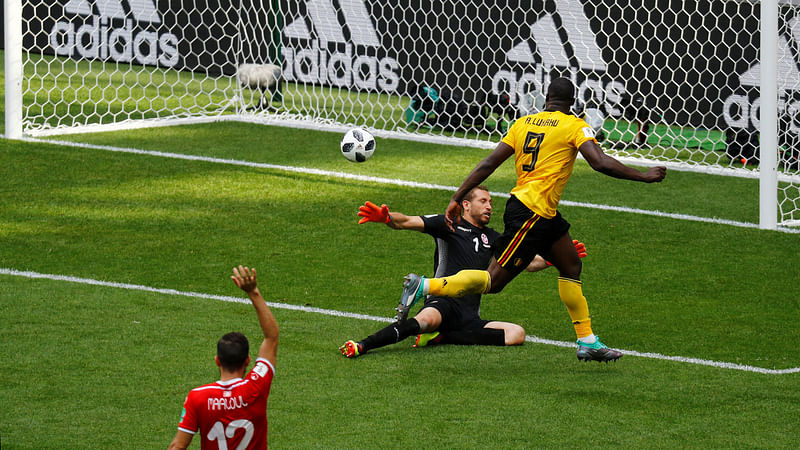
316,65
98,38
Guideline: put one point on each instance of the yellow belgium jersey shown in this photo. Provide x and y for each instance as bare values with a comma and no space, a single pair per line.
545,147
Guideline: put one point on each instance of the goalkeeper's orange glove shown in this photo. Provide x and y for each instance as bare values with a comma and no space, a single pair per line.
370,212
579,247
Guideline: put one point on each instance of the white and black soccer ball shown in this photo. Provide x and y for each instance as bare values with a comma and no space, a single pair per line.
357,145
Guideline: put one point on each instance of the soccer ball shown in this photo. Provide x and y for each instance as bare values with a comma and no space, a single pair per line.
358,145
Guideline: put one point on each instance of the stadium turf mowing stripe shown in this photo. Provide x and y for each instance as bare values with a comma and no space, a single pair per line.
396,182
330,312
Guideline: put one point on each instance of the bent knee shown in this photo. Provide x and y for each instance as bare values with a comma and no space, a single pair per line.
573,270
515,335
428,319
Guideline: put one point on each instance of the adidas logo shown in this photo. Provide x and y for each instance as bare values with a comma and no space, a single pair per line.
578,52
740,112
550,48
116,30
788,73
317,57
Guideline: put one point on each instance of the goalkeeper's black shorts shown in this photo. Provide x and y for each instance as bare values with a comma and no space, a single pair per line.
456,313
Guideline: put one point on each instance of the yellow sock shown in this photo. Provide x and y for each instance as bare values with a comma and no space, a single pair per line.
571,294
463,283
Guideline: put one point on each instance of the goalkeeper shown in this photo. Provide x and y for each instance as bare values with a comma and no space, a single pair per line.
444,320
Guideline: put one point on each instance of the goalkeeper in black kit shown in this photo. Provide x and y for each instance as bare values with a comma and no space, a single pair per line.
444,320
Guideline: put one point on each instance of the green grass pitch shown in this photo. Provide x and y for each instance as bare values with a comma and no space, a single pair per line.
85,365
96,366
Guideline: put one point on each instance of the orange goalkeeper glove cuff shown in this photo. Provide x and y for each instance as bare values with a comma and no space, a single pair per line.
370,212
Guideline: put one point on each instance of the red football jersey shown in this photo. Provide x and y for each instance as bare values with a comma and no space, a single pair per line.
231,414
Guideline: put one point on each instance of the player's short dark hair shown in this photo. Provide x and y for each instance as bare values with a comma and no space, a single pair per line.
561,89
232,351
471,194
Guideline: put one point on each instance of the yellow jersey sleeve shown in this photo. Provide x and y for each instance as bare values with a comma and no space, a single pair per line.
545,147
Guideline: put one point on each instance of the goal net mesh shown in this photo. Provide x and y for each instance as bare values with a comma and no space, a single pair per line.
670,81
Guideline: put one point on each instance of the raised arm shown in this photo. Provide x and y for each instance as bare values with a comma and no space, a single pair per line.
608,165
480,173
245,279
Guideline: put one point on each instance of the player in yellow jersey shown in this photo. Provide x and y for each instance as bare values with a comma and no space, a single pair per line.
545,146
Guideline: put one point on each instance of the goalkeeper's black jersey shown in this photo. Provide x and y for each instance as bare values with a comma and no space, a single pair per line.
468,247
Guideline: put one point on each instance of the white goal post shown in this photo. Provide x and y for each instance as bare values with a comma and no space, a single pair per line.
710,86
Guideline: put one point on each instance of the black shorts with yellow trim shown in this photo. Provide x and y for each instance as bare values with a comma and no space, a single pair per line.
526,235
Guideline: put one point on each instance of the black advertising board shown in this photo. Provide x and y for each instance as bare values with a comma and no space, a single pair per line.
696,63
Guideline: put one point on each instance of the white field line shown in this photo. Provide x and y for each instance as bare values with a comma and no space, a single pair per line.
330,312
396,182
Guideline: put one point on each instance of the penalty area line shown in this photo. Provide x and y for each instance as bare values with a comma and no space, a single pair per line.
331,312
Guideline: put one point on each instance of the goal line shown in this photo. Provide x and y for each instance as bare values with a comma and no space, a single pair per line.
393,181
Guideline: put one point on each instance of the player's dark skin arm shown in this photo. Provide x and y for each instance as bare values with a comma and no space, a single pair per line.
481,172
599,161
607,165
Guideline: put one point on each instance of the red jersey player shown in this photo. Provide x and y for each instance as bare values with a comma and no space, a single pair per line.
232,413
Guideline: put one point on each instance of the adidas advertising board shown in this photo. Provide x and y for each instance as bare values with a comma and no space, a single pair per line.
114,30
316,50
741,108
194,35
694,62
678,56
557,41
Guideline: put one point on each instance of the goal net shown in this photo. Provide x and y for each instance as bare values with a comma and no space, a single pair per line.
674,82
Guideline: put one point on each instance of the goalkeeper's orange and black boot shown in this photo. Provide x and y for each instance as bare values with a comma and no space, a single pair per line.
352,349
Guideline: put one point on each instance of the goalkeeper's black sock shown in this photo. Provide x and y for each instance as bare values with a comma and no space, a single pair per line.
392,334
483,336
